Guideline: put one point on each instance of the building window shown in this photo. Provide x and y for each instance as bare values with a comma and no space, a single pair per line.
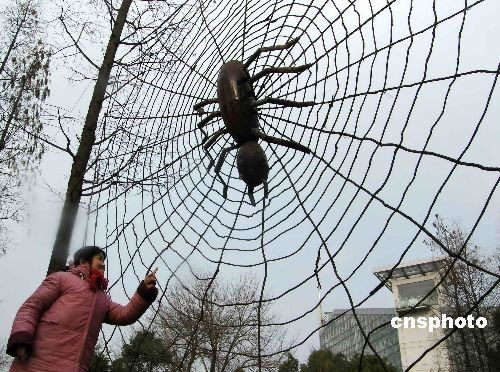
411,293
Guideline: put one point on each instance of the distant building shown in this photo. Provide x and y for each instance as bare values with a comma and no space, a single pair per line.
343,335
409,283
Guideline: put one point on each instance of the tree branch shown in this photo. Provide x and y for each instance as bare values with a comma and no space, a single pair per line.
76,44
43,140
68,142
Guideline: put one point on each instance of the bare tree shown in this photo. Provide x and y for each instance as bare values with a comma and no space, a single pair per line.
134,25
24,78
205,335
87,141
468,348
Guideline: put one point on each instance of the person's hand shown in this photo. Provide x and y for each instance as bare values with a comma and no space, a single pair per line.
22,353
150,279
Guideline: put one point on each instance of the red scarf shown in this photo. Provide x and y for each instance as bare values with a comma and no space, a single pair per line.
97,280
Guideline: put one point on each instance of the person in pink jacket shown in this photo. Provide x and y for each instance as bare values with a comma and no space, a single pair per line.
57,327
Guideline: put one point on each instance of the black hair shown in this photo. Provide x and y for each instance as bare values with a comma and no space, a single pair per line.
86,254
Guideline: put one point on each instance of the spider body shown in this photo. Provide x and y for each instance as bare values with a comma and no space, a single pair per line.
236,100
238,109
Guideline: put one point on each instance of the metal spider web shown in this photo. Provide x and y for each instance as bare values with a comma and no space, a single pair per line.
389,81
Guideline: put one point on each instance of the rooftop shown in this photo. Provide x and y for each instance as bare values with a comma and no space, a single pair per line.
365,310
410,268
361,311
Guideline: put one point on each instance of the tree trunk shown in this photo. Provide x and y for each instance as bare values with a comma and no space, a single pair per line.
477,335
192,354
81,159
463,340
191,361
213,359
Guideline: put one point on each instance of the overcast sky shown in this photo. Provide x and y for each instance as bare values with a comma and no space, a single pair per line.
332,205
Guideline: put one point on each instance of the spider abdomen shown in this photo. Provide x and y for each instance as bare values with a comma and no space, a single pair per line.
236,101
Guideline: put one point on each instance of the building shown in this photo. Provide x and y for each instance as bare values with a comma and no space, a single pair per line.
409,283
343,335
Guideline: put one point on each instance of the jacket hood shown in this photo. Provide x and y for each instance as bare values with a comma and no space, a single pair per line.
82,271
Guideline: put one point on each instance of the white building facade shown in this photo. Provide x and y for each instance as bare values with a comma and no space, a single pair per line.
409,283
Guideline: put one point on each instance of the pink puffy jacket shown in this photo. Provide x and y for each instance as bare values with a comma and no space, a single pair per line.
60,322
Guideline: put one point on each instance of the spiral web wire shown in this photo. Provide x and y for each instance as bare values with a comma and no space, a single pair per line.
386,81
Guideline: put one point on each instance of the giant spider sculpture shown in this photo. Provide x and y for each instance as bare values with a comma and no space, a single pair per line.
238,109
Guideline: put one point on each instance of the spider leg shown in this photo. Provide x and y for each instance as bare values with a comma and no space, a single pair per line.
257,53
210,141
199,106
222,157
266,190
279,141
212,161
283,102
250,195
213,138
205,121
281,70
